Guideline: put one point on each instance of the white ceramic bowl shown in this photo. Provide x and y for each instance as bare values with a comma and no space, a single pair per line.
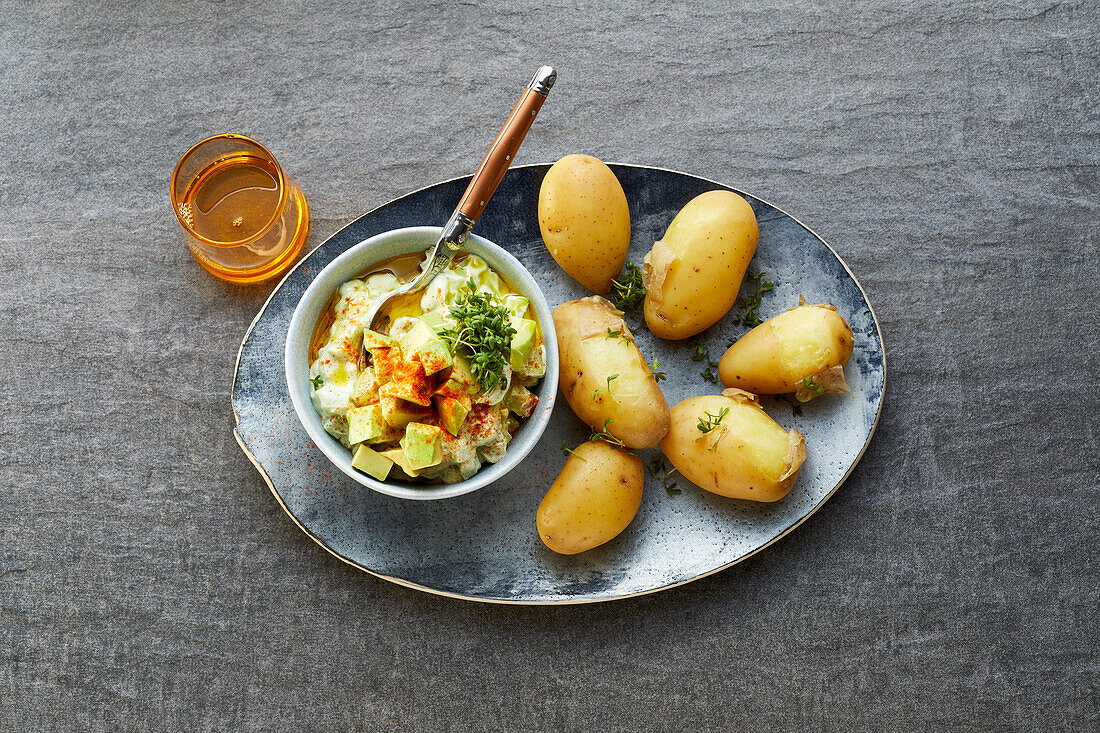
359,258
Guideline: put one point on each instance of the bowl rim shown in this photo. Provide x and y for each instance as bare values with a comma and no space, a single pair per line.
322,287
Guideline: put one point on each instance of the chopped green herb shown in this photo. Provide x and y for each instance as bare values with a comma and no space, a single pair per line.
709,375
702,353
711,421
484,331
616,333
568,451
809,384
596,394
672,489
607,437
317,382
627,290
658,373
656,466
708,422
751,302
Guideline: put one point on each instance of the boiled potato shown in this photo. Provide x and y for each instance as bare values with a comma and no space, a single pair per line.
603,375
743,453
584,220
592,500
803,350
693,273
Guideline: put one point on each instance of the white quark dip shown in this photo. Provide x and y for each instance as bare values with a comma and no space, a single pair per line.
339,359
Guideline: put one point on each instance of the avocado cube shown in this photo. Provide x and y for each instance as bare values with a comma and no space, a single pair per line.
463,373
424,345
375,340
386,361
535,366
435,321
423,445
365,389
409,383
398,457
398,412
372,463
452,412
367,425
523,342
492,440
521,400
455,390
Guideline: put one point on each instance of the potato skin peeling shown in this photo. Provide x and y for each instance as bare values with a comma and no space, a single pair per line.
746,455
585,220
605,377
692,274
801,351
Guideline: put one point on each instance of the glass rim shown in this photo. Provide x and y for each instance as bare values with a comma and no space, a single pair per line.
265,228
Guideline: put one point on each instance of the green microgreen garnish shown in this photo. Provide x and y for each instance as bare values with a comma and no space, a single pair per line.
672,489
751,302
627,290
658,373
809,384
702,353
616,333
708,421
484,331
568,451
657,468
709,375
596,394
607,437
317,382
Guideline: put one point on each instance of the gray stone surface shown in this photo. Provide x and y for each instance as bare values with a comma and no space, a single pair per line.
948,151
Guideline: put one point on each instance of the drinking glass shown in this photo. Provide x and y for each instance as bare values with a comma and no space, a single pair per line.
245,218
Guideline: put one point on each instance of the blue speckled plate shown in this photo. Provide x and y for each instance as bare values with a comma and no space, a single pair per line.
483,546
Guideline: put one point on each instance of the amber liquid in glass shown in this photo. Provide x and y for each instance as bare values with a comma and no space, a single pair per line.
235,199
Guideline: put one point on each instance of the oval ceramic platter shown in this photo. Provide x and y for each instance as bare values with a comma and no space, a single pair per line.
483,546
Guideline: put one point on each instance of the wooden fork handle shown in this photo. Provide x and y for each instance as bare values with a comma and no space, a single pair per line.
505,147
